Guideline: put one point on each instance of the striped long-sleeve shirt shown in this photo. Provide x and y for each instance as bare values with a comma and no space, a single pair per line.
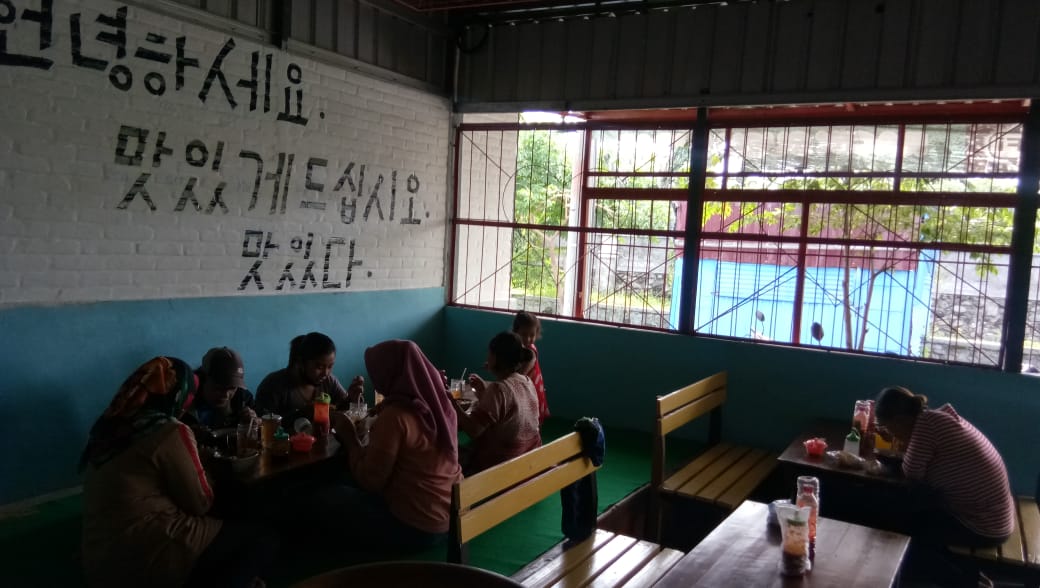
952,457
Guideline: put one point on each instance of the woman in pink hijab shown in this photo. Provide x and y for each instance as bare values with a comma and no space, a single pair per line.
411,461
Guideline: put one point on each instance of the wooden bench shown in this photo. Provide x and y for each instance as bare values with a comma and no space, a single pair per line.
603,560
1020,554
724,475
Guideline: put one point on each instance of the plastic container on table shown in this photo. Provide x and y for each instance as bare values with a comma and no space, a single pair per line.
302,442
809,495
269,425
321,416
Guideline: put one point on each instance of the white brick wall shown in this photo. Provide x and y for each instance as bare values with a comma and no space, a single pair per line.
66,234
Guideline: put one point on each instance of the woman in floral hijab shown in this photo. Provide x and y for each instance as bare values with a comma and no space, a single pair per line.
146,496
155,394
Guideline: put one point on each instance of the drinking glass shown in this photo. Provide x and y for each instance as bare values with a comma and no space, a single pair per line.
357,411
269,423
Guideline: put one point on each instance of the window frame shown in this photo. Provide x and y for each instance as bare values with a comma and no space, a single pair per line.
713,120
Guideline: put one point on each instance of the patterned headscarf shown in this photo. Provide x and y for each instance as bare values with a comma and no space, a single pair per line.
156,393
403,374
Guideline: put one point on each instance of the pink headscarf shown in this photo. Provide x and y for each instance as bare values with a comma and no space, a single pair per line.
403,374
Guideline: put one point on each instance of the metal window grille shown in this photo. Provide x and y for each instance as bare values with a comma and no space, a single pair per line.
887,238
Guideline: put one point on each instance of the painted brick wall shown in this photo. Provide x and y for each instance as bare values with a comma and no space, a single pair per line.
130,170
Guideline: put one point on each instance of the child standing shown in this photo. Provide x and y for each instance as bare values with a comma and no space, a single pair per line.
529,328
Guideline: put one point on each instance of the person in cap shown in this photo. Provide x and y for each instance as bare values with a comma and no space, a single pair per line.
223,401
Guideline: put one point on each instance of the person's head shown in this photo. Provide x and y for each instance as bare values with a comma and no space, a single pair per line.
312,356
222,375
528,327
507,354
389,363
163,384
406,377
159,390
896,410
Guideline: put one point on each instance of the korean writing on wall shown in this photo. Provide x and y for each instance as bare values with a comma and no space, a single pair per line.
261,245
375,197
101,45
375,194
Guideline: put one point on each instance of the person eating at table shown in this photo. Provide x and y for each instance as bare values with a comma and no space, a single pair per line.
146,496
504,423
404,475
222,401
291,391
954,460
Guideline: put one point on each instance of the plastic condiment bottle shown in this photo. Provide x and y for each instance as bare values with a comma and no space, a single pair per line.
852,442
321,416
281,442
861,416
866,441
809,495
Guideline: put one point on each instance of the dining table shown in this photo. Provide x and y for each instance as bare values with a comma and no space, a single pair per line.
270,466
879,499
796,459
744,550
274,478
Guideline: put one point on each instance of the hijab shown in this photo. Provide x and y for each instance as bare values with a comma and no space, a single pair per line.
403,375
156,393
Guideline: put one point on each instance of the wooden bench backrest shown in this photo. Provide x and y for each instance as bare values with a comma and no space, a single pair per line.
484,500
682,406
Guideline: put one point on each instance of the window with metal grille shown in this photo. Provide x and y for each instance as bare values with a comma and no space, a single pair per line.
890,237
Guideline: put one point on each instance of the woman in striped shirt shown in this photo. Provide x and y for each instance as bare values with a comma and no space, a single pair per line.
954,461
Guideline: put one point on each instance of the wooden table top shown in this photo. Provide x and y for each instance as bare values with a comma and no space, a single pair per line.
270,466
834,432
744,551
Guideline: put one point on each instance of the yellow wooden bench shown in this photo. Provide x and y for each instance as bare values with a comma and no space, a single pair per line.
603,560
724,475
1020,554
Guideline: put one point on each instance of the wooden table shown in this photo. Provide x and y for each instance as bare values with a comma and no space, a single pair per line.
270,466
795,458
743,551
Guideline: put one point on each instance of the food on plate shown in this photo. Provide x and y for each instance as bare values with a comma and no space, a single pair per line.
845,459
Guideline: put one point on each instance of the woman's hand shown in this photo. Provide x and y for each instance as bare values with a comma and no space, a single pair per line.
356,389
478,383
246,415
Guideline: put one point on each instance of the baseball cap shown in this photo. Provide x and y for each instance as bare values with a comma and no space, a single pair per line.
224,366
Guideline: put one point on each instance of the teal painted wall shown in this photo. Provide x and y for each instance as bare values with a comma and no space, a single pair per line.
61,365
774,392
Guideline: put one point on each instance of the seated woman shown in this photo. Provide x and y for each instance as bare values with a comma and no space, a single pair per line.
957,464
504,422
146,495
405,474
290,392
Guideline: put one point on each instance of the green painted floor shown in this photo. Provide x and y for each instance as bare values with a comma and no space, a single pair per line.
39,548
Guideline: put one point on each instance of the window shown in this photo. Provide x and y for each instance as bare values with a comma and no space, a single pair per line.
875,236
880,238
